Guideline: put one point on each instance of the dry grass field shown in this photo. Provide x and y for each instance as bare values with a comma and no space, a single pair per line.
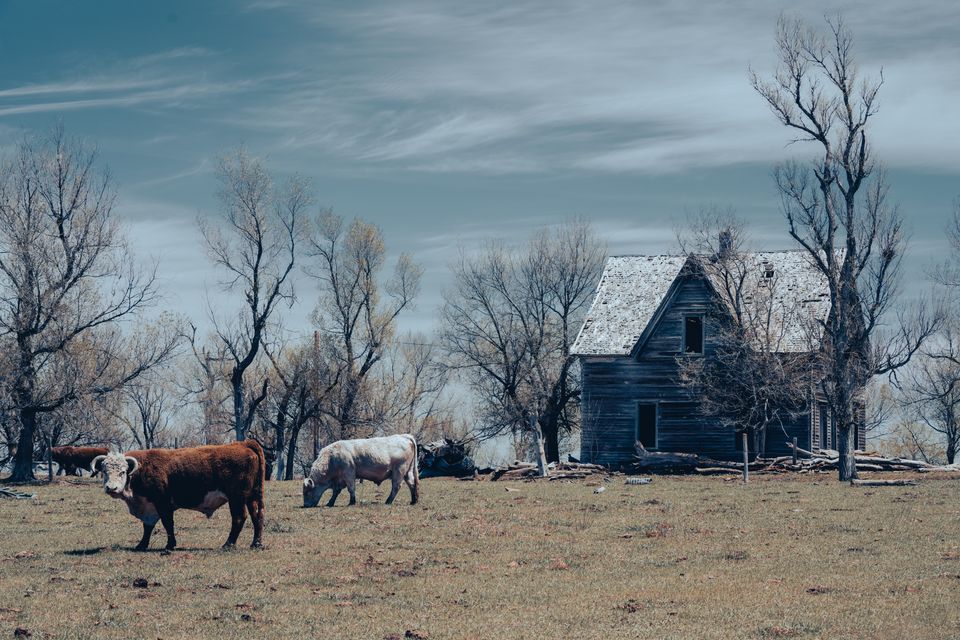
681,558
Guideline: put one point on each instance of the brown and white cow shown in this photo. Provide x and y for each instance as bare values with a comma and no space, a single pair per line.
156,482
340,464
72,459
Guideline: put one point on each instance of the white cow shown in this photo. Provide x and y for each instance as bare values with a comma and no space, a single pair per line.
341,463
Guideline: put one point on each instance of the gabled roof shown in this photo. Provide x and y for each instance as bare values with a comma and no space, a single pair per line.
633,288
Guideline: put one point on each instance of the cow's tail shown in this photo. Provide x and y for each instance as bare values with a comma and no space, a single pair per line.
416,470
254,446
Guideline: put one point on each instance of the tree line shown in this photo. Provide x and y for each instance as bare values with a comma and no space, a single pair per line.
88,356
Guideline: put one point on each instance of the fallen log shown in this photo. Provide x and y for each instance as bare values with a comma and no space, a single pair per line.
16,495
717,470
900,482
568,476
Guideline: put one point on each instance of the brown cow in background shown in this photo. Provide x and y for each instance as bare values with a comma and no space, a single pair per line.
156,482
72,460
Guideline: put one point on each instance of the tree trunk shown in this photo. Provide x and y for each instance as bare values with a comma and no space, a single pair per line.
951,450
542,468
23,461
239,426
846,465
746,457
280,429
292,449
550,432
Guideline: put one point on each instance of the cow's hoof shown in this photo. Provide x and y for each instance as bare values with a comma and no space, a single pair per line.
166,552
140,547
228,545
256,545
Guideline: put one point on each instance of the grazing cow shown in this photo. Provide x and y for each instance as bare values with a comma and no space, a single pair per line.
72,459
156,482
341,463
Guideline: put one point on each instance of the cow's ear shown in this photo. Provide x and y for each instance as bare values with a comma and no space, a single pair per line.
97,462
132,465
308,483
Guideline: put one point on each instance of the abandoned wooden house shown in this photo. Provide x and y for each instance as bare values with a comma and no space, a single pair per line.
648,312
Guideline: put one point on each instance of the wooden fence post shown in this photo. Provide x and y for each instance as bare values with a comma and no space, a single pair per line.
794,450
746,457
49,459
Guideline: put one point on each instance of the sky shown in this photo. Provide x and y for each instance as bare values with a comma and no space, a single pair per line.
446,123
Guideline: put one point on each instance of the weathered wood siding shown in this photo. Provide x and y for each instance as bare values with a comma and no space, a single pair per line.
613,387
815,441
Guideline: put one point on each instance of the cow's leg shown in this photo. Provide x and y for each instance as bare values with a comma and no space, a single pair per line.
394,485
336,489
145,540
166,517
60,471
238,517
255,509
352,488
414,483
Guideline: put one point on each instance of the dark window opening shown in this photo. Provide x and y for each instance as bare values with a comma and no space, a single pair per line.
824,414
647,425
693,335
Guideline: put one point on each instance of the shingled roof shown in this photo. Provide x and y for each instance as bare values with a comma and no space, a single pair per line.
632,289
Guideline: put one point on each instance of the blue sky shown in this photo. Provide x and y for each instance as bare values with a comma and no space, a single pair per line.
446,123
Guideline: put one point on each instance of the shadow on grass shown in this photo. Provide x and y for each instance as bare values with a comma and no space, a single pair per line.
85,552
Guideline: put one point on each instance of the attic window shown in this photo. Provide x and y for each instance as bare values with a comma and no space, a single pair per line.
693,335
768,270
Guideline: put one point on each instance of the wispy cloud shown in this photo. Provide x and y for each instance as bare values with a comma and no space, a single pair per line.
162,79
445,86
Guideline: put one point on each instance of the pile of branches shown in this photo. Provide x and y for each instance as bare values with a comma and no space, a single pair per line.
445,458
806,462
828,459
556,471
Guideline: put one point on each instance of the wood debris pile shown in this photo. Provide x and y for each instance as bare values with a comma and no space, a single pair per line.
828,460
806,462
557,471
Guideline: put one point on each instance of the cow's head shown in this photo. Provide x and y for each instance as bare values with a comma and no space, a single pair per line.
312,492
116,470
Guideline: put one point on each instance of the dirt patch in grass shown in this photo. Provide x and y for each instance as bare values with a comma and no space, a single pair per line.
681,558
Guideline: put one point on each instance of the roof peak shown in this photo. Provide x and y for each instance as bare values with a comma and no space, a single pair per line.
684,255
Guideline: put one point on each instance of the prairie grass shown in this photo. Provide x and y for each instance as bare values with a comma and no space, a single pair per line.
680,558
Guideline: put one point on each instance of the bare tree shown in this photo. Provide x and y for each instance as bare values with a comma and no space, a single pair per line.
837,210
256,247
357,313
408,392
509,324
67,281
757,373
914,440
932,392
205,379
305,381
